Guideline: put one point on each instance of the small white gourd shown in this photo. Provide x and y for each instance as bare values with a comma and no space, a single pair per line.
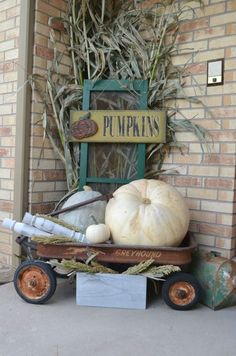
97,233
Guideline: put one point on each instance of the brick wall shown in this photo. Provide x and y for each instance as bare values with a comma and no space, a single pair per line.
208,181
9,34
47,175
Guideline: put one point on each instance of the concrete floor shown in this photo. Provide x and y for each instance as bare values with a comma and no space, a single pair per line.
62,328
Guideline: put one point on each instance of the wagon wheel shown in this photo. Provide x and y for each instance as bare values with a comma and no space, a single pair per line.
181,291
61,273
35,282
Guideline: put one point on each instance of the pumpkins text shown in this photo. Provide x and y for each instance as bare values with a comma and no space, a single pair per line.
135,126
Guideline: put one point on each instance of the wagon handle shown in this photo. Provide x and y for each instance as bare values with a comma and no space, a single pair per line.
78,205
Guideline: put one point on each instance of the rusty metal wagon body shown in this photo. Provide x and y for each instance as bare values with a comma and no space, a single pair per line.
35,279
111,253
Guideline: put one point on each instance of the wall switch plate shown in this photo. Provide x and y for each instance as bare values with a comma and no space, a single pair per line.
215,72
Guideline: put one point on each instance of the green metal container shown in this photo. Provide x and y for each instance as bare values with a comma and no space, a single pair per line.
217,275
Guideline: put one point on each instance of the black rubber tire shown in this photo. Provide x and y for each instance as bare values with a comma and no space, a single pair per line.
186,301
43,270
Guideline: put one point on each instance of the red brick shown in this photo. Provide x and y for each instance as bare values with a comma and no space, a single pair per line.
231,29
42,208
40,40
219,183
6,206
57,24
229,76
4,152
5,131
216,159
209,124
60,4
7,67
193,203
203,216
207,33
36,175
44,52
224,136
148,3
37,141
187,159
228,53
187,181
54,175
37,131
41,18
227,100
8,162
197,68
223,112
194,25
224,231
13,12
231,5
48,9
186,37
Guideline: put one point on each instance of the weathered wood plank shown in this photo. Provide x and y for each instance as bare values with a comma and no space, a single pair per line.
114,291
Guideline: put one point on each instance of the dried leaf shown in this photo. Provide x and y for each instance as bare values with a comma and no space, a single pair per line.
118,39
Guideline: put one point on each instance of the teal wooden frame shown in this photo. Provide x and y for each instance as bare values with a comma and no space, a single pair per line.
137,86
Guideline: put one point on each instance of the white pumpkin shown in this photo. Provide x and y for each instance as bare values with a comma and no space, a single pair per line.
97,233
147,212
81,217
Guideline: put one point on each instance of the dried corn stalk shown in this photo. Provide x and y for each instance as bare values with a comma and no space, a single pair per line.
117,40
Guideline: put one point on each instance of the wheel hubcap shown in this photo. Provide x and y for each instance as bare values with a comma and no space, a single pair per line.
182,293
33,282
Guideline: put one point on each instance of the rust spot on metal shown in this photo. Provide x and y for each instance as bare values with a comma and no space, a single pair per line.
33,282
182,293
118,253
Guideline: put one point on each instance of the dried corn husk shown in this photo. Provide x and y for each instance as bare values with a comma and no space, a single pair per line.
121,40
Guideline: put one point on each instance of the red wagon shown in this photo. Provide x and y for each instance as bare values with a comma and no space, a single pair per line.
35,280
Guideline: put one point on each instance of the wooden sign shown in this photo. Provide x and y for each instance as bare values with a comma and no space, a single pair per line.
141,126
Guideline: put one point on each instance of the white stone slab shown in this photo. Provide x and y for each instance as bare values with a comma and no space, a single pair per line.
111,290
